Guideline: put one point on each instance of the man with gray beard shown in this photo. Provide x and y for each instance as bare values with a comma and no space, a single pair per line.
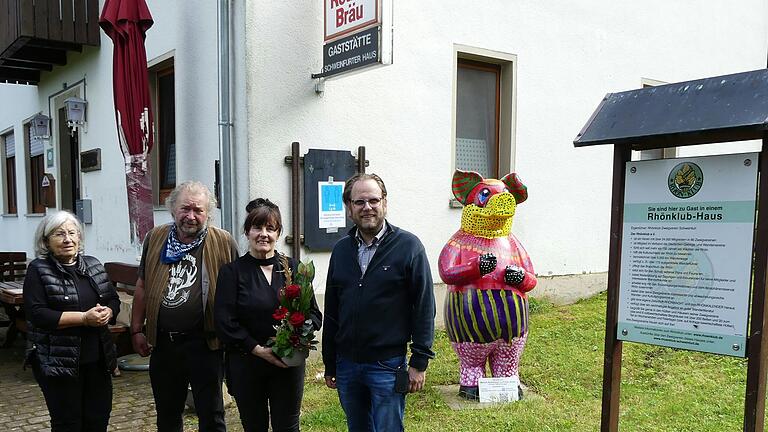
174,293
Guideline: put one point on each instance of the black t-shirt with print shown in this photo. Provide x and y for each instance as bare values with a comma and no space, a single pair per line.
182,306
181,309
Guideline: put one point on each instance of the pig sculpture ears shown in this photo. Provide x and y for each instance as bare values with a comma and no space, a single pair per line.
463,183
515,186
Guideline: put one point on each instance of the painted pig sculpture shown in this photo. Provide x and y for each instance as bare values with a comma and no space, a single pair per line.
488,274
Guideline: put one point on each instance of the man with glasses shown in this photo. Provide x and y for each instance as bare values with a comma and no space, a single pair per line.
379,297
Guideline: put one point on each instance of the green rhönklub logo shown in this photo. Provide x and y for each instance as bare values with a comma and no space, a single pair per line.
685,180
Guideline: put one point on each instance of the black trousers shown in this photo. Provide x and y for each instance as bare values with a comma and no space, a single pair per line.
81,403
175,365
263,390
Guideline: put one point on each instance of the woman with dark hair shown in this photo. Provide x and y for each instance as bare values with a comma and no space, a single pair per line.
263,386
69,302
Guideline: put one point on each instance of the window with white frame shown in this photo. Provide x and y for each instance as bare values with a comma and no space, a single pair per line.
9,173
35,172
164,152
484,114
661,153
477,117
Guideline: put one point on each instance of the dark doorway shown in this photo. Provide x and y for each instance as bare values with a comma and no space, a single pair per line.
69,161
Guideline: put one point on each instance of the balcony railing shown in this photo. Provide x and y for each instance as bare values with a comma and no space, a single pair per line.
35,35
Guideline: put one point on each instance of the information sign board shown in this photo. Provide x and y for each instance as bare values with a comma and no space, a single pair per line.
686,254
499,389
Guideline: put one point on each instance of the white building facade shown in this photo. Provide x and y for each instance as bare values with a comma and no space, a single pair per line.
553,61
530,74
182,59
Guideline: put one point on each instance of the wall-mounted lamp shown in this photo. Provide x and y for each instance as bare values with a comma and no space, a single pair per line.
41,126
75,111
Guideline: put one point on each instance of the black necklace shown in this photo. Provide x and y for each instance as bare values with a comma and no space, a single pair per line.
265,261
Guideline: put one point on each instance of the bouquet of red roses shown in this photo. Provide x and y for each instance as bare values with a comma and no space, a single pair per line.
295,331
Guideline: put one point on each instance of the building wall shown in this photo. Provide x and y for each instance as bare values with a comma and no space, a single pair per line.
189,34
568,57
11,117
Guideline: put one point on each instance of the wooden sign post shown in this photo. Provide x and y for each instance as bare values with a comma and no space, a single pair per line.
718,109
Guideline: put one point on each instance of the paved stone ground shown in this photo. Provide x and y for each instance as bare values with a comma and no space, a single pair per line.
22,407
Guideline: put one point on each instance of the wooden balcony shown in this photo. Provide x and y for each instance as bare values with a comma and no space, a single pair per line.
35,35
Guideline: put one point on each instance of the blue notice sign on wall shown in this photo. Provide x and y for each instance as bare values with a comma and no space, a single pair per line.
331,197
330,205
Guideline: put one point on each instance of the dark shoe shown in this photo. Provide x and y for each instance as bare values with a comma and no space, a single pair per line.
469,392
519,393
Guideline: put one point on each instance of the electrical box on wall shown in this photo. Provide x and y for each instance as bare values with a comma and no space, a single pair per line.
83,211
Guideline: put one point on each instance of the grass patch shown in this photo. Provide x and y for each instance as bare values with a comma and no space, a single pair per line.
662,389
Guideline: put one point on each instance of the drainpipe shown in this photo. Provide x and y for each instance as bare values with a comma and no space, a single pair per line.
225,117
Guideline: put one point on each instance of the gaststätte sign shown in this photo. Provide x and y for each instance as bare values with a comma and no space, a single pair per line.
352,52
346,16
686,252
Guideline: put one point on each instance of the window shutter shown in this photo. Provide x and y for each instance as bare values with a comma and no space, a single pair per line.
35,145
10,145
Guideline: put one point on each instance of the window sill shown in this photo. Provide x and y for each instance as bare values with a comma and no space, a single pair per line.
34,215
455,204
10,215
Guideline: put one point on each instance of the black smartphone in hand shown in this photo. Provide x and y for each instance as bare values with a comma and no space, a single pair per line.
402,381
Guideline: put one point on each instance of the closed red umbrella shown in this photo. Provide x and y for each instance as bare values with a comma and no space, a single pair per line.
126,23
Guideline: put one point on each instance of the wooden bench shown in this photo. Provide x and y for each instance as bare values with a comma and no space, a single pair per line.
13,266
12,302
124,277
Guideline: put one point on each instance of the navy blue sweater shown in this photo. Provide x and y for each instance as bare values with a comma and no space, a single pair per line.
373,317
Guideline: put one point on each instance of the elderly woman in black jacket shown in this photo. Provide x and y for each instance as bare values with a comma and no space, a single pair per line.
69,301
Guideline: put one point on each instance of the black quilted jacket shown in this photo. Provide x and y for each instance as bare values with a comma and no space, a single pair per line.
57,351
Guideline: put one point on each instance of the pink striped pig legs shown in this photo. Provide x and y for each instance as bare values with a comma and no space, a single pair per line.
473,357
505,359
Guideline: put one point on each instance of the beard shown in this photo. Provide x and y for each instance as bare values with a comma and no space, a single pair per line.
370,226
191,230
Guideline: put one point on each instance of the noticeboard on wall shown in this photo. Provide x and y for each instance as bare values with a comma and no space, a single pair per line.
90,160
325,220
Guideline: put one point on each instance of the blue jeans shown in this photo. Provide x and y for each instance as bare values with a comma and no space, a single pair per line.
367,394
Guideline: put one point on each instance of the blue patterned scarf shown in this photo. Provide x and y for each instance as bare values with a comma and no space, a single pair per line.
174,250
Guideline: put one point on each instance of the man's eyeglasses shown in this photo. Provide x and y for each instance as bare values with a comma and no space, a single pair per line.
61,235
373,202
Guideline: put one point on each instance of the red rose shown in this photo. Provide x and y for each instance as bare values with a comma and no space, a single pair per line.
292,291
296,319
280,313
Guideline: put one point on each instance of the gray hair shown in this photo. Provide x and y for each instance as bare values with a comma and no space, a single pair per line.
194,187
49,223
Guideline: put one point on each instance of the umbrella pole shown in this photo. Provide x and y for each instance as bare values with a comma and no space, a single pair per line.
139,187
